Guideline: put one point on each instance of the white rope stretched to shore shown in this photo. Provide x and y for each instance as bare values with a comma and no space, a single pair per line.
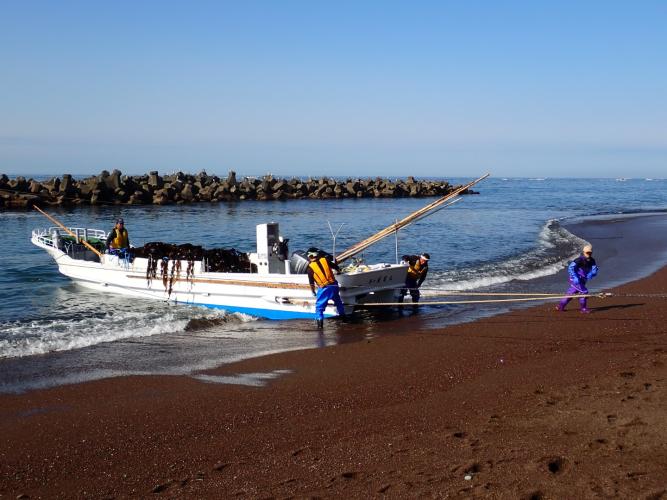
545,295
486,301
501,294
640,295
532,297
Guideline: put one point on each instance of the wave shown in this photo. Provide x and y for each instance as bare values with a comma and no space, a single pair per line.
75,331
556,246
208,322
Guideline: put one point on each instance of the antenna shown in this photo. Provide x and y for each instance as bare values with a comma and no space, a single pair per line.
333,235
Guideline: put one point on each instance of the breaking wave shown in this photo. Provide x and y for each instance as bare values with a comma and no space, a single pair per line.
556,246
211,321
69,331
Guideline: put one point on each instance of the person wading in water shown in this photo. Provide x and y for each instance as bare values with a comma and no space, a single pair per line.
416,275
320,273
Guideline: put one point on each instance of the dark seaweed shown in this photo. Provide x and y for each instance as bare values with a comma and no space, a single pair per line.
219,260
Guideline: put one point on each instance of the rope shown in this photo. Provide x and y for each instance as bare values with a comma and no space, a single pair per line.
501,294
487,301
546,295
642,295
531,297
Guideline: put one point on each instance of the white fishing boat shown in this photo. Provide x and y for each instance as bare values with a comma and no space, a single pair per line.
279,288
270,284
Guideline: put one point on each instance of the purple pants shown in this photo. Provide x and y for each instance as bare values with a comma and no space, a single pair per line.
575,290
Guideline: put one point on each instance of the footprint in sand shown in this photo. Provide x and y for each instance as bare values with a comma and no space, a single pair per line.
473,468
555,465
635,422
598,443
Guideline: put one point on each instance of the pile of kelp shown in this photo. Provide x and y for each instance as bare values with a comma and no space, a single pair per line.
216,260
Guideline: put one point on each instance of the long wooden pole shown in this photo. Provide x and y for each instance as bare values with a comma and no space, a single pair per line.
422,212
59,224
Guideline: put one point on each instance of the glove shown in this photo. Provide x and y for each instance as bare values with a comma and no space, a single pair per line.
314,294
593,273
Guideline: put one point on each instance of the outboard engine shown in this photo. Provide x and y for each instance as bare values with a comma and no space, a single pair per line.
299,262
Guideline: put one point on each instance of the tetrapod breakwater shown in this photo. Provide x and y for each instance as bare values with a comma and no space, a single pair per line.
177,188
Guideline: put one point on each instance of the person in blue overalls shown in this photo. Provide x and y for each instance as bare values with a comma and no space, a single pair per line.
580,270
320,273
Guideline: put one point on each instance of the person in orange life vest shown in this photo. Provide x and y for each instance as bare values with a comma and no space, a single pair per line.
416,275
320,273
118,237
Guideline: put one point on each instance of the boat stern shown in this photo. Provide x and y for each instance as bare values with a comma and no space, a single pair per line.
372,283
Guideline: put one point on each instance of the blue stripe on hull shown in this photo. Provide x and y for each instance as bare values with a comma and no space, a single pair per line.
262,313
252,311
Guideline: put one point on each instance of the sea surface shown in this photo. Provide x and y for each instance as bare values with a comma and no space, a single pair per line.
516,235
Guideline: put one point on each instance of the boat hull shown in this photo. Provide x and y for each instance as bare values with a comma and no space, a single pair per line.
271,296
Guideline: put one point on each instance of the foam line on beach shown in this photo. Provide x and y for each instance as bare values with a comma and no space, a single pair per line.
247,379
68,332
554,247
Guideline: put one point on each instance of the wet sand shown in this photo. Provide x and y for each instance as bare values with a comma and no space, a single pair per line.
529,404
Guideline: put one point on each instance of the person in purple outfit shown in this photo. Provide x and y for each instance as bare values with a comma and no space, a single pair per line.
580,270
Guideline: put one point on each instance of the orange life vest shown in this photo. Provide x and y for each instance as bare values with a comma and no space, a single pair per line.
415,271
121,240
322,272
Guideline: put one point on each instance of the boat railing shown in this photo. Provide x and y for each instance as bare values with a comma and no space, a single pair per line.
46,236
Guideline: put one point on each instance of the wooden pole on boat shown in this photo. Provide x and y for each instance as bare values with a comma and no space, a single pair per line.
59,224
422,212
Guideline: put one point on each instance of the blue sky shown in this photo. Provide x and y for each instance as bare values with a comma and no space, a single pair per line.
339,88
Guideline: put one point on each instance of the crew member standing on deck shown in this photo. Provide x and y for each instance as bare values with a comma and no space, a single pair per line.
320,273
416,275
580,270
118,238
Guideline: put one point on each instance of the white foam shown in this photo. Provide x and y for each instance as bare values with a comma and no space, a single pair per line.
544,260
42,336
248,379
499,279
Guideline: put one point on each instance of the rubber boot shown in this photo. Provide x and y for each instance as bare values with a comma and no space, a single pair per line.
320,323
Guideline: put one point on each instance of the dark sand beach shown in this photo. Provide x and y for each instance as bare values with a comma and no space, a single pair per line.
528,404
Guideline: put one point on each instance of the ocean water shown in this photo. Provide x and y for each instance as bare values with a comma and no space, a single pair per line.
516,235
